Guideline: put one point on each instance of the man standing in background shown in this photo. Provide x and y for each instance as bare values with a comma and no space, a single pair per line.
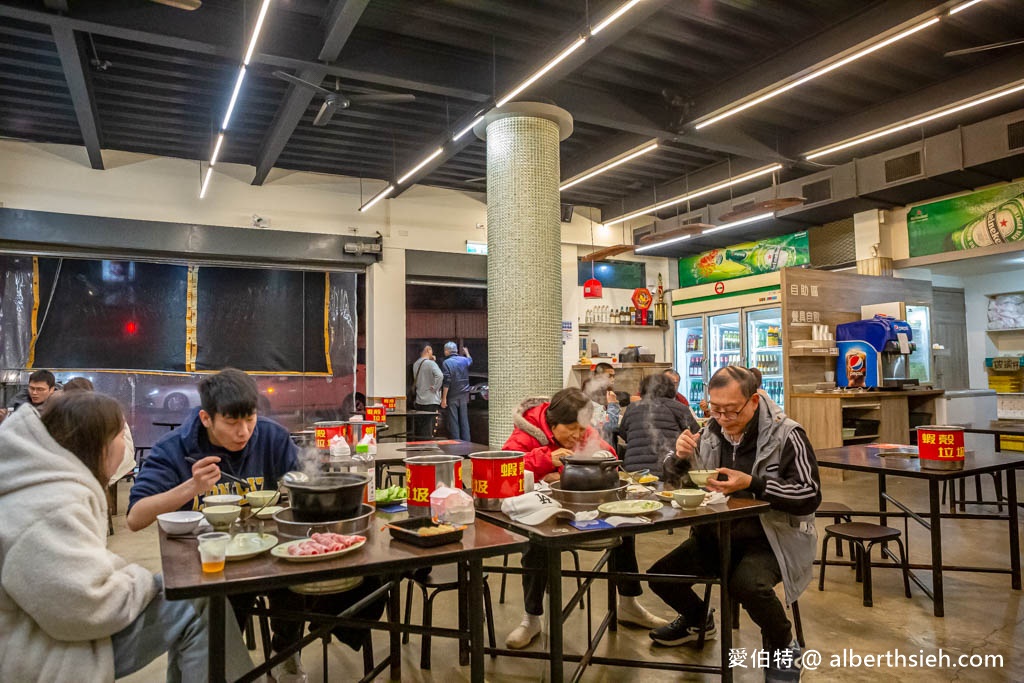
426,381
455,391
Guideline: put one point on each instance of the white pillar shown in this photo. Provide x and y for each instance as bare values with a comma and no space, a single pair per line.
524,271
385,325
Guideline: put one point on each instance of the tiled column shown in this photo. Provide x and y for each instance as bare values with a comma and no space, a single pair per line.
524,273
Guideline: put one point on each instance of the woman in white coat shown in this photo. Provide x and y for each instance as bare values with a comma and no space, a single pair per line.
71,610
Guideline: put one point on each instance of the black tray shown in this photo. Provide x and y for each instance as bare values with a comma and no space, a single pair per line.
414,538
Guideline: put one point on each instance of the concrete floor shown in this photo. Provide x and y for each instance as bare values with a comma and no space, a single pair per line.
983,615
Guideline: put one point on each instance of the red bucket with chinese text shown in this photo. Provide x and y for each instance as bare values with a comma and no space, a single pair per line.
352,431
940,447
425,474
497,475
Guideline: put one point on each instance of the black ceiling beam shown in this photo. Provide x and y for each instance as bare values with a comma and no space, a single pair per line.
845,38
73,58
338,26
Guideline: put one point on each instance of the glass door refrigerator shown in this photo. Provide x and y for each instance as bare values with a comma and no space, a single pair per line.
919,319
764,348
690,358
725,341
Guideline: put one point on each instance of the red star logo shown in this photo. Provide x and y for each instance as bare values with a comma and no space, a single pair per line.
1002,223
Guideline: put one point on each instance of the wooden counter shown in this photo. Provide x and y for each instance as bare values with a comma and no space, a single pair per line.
627,375
822,415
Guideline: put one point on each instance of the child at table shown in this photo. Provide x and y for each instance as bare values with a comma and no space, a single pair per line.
71,610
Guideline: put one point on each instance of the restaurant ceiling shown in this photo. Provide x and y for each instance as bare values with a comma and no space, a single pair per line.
144,77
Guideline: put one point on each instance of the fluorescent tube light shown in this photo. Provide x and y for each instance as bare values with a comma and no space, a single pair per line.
206,182
742,221
851,142
256,31
379,196
543,70
468,128
648,247
615,15
814,74
234,98
412,171
697,193
216,149
963,6
649,148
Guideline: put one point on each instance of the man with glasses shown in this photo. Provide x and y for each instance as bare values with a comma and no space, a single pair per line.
759,453
41,385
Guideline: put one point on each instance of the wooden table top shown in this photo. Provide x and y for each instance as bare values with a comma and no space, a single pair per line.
866,459
1002,427
559,531
184,578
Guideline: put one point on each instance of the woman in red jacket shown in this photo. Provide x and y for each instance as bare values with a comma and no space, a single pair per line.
547,431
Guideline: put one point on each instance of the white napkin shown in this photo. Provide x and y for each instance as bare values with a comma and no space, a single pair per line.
619,520
587,515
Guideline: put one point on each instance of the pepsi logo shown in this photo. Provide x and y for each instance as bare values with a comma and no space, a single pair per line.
856,362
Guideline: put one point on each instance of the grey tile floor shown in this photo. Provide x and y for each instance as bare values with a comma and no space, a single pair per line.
983,615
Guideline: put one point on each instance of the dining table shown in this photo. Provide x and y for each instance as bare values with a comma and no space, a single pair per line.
379,556
897,460
559,536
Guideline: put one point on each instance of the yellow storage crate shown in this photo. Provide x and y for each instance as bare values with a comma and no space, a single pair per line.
1011,443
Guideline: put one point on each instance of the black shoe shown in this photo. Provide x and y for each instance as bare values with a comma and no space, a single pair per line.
679,632
786,665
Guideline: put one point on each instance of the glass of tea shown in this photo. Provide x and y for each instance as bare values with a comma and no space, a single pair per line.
212,548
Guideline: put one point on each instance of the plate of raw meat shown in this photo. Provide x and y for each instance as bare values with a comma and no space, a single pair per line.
318,547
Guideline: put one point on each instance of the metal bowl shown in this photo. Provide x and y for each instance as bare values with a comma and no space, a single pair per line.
588,499
289,527
328,497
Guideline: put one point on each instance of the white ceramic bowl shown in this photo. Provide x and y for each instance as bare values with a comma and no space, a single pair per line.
258,499
688,499
221,516
700,477
222,499
179,521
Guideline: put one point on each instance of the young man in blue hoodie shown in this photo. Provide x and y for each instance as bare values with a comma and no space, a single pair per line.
226,435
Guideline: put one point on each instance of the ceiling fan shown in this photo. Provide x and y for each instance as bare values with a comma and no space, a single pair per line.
335,100
983,48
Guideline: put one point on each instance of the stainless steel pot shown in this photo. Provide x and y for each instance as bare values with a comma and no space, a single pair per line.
589,499
328,497
290,528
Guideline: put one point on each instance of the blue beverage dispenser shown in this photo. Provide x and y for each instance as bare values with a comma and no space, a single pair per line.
874,353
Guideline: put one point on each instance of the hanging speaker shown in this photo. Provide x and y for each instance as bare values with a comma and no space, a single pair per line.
567,210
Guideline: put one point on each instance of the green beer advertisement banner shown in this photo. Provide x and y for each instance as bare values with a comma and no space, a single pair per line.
748,258
979,219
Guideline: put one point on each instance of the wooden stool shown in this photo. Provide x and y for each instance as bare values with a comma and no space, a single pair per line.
859,534
839,513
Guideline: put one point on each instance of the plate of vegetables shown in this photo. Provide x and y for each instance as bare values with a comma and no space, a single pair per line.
392,495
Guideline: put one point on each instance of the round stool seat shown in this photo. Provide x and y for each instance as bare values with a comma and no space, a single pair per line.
862,531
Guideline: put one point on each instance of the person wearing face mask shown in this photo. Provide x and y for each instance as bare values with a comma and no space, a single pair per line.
547,431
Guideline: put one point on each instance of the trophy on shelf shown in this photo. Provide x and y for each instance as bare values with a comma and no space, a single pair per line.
660,307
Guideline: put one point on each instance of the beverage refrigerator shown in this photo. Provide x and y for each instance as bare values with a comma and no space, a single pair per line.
750,337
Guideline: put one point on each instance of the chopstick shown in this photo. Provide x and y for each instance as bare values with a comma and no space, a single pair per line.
232,477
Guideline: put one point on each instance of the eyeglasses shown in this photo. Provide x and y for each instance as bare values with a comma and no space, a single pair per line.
727,414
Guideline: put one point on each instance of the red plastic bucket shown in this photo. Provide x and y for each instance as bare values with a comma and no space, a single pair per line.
352,431
496,475
426,473
940,447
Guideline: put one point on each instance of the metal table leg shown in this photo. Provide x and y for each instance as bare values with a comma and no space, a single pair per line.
881,499
935,520
395,617
476,620
724,562
215,672
1011,494
554,571
463,603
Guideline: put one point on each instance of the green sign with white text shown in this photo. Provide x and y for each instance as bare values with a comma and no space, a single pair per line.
979,219
748,258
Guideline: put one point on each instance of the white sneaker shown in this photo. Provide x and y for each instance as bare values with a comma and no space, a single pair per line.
631,612
290,671
523,635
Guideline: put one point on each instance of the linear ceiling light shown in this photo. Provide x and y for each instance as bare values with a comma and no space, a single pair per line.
742,221
436,153
256,31
874,135
814,74
543,70
468,128
234,98
216,149
613,16
206,182
698,193
964,6
649,148
376,198
663,243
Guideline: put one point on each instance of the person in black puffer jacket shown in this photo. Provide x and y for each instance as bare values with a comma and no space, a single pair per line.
651,425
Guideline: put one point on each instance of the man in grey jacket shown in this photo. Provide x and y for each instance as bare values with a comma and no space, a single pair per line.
427,378
759,453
